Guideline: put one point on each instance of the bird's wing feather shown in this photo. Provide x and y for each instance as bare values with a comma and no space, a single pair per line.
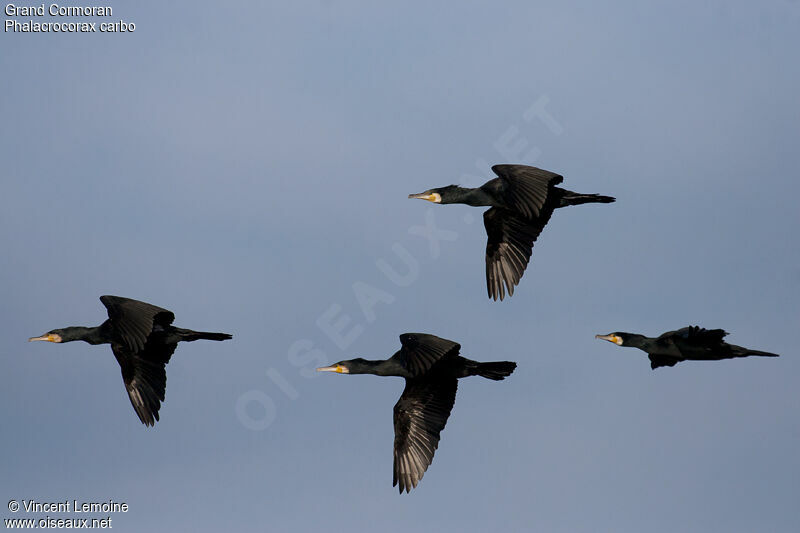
419,417
696,335
508,248
133,320
706,336
421,350
522,187
145,380
662,360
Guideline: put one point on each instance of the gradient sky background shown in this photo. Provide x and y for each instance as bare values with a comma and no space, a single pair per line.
246,165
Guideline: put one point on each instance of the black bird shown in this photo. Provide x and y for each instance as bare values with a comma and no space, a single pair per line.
691,343
142,339
522,199
431,367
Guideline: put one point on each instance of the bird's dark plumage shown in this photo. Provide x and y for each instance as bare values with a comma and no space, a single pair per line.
133,321
509,247
522,188
431,367
522,200
420,351
691,343
143,340
419,418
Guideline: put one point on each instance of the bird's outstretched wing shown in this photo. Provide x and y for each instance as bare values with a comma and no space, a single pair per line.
697,336
662,360
133,321
145,379
522,187
419,417
508,248
421,350
704,336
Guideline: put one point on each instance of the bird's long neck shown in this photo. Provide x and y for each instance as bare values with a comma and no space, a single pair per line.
463,195
639,341
92,335
378,368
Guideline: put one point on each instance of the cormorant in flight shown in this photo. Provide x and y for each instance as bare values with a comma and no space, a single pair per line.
522,199
691,343
142,339
431,367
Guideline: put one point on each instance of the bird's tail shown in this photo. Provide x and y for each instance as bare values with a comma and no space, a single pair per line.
189,335
744,352
496,370
574,198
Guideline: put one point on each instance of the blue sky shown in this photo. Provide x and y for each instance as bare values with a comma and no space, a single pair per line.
246,166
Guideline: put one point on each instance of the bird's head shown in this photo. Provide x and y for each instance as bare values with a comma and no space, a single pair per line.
56,335
618,338
351,366
72,333
441,195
